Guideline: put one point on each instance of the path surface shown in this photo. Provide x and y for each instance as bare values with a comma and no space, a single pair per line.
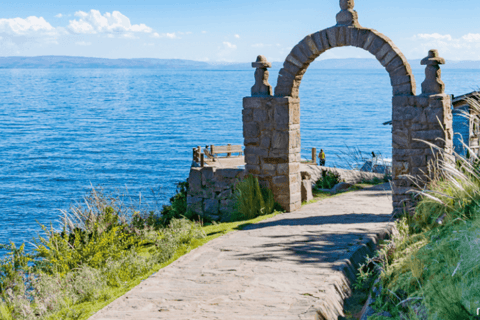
292,266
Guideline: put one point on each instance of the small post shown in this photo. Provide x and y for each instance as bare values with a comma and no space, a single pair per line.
314,155
229,154
195,155
202,160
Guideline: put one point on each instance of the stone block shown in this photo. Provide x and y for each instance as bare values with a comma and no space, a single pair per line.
195,179
251,142
399,80
265,142
207,175
294,60
299,55
332,37
419,161
400,168
260,115
362,37
211,206
341,36
195,204
252,169
406,152
428,135
254,102
291,68
227,173
306,190
310,43
258,151
376,46
225,194
268,169
404,89
369,40
252,159
226,208
251,130
305,49
247,115
351,36
280,140
388,58
397,66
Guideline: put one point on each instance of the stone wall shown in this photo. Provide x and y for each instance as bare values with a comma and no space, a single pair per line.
349,176
210,191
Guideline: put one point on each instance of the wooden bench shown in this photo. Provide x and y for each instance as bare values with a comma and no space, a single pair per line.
211,154
228,149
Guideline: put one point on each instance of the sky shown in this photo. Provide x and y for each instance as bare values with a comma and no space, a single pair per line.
228,31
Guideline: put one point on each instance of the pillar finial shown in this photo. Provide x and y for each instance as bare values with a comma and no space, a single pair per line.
261,86
433,83
347,16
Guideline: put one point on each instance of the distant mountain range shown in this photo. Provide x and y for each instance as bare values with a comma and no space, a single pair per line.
59,62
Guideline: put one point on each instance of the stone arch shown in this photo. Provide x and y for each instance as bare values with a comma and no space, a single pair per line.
271,124
313,45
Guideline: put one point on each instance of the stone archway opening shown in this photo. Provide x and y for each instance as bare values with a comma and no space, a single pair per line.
271,123
342,111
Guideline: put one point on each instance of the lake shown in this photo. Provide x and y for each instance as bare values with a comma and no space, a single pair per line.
131,131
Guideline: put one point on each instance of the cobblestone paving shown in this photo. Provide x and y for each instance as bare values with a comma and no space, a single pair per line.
293,266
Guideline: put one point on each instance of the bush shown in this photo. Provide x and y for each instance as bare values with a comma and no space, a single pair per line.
99,248
328,180
252,200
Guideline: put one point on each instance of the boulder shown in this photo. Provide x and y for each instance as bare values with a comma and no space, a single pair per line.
342,186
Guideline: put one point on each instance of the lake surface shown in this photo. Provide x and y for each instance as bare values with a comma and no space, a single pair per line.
132,131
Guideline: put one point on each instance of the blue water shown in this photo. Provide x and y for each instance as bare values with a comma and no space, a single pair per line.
132,131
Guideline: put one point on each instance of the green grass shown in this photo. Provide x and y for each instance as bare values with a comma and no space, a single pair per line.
212,231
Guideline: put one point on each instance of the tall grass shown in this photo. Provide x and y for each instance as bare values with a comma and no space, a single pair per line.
102,245
430,268
252,200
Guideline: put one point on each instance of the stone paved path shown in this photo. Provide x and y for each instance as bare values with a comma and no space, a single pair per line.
292,266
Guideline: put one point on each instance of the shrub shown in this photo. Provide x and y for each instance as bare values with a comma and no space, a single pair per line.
252,200
99,248
328,180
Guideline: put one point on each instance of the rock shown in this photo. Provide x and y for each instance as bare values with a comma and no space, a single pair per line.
307,190
342,186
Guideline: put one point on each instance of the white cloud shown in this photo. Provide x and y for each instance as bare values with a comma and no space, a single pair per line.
31,26
466,47
433,36
204,31
111,23
59,15
83,43
229,45
165,35
237,36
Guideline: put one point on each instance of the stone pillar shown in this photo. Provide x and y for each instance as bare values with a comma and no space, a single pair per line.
271,130
416,120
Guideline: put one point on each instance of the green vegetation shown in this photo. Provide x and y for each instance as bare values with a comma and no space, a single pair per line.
252,200
105,248
327,181
430,269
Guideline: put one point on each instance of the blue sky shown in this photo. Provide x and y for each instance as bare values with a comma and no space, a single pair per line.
233,31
